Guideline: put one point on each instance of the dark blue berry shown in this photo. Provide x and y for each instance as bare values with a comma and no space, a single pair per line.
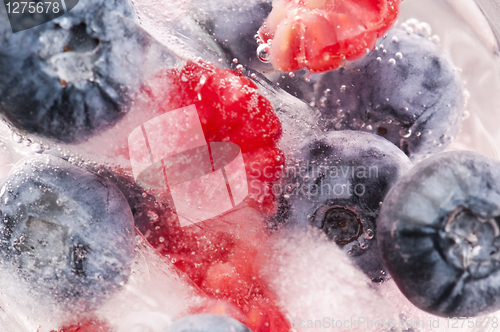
66,232
233,25
439,234
406,90
73,76
337,184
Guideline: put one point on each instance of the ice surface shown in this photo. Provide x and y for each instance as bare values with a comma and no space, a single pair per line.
313,277
315,280
155,294
167,21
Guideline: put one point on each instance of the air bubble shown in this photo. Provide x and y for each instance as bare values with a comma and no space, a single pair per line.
220,61
322,101
392,62
263,53
253,75
424,29
235,61
369,234
412,23
369,127
327,92
409,30
17,138
37,148
291,74
395,39
466,115
435,39
240,68
343,88
379,59
405,132
399,55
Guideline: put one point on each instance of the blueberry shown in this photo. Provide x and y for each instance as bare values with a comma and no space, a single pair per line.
155,218
66,232
72,77
406,90
208,323
337,184
439,234
233,25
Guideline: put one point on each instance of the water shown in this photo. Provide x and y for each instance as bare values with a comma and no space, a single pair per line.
314,279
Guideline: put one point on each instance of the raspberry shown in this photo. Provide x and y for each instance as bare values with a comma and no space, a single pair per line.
322,34
230,110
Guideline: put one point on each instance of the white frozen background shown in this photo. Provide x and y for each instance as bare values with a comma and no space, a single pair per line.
312,277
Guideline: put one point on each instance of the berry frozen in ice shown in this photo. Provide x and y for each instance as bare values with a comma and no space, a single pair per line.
73,76
406,90
338,184
66,232
233,25
439,235
217,254
322,35
230,109
87,326
208,323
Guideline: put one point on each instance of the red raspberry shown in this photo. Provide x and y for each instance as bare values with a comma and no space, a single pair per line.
322,34
230,110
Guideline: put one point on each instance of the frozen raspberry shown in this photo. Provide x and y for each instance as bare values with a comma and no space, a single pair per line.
322,34
230,110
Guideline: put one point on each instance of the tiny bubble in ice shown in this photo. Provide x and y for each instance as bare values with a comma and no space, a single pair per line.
405,132
263,53
435,39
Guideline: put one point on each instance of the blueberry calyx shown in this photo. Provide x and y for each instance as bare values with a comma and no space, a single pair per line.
471,242
341,224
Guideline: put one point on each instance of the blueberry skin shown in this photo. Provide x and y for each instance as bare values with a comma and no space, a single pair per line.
338,184
233,25
438,233
208,323
407,90
68,233
71,77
